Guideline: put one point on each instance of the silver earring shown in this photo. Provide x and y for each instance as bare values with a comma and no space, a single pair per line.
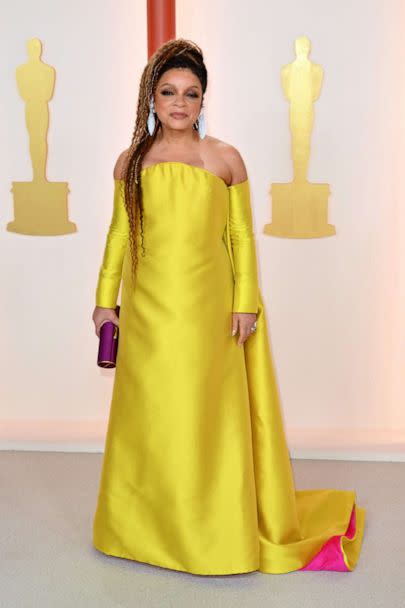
151,117
202,129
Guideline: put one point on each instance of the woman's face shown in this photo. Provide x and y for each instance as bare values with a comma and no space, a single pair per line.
178,97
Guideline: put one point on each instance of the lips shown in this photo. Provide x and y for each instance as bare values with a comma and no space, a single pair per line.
178,115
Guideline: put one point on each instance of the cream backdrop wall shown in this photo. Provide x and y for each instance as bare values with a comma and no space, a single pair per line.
335,305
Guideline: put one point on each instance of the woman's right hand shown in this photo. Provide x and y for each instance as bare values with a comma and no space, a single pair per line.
101,315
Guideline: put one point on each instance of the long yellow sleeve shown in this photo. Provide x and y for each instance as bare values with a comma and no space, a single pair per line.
243,243
109,278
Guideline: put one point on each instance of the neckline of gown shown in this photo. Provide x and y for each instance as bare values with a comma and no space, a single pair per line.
195,167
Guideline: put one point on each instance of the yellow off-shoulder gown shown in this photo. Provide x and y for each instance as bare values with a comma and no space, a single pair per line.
196,473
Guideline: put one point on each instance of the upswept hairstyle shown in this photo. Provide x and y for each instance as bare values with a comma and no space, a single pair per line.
178,53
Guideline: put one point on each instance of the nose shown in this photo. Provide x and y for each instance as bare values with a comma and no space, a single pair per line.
179,101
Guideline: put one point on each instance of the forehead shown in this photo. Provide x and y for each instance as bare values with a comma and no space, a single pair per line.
179,77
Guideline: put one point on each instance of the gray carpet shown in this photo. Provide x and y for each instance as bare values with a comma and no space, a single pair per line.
47,558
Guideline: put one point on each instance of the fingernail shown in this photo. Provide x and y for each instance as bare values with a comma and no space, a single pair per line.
233,332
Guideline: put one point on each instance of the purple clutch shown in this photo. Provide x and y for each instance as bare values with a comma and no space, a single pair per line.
108,343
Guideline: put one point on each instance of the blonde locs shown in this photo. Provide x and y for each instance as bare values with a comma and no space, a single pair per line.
163,58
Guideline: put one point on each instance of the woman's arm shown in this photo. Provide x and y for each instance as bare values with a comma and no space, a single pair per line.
109,278
242,237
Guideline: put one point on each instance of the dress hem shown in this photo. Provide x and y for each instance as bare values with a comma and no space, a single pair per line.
125,556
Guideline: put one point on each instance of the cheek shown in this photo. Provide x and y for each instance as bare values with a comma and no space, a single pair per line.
162,103
194,107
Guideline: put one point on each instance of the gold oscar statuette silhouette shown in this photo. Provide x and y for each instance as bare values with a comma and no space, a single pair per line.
300,208
40,206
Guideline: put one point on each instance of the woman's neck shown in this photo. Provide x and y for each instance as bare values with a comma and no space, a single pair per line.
176,139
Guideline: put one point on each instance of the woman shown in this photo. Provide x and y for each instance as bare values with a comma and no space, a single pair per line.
196,472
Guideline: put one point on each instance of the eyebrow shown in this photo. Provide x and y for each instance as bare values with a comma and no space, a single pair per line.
193,86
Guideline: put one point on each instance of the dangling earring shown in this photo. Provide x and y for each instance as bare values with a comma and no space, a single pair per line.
151,117
202,130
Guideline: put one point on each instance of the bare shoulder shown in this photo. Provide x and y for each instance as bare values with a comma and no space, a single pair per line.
120,164
231,157
235,163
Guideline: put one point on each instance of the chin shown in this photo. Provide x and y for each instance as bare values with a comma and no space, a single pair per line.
179,126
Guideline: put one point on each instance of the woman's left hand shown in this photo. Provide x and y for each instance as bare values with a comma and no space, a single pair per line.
243,322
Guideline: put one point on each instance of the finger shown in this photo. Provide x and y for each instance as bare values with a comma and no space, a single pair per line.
242,335
96,329
234,325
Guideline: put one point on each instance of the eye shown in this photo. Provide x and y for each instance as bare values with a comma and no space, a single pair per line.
191,94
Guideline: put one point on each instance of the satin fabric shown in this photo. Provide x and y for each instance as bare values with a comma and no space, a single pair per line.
196,474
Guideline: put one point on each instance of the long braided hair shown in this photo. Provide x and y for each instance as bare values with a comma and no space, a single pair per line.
178,53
